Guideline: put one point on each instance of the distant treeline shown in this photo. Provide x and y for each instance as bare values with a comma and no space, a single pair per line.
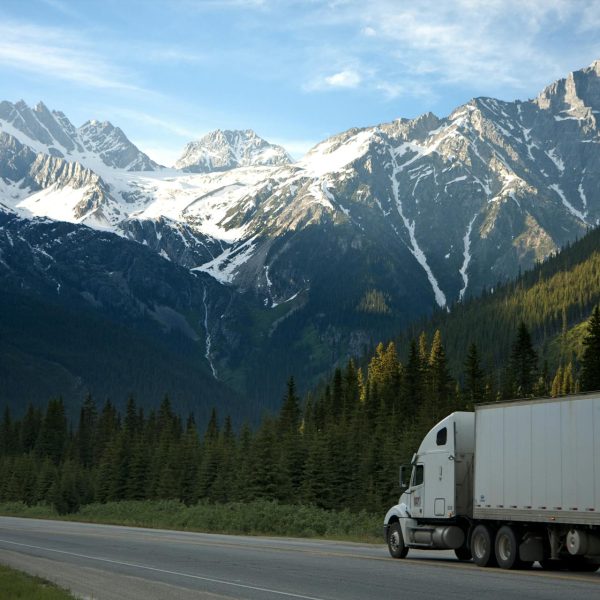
340,448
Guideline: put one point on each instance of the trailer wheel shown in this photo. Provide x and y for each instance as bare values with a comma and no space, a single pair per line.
507,549
396,541
482,546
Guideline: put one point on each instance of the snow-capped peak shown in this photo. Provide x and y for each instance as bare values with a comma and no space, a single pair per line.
221,150
51,132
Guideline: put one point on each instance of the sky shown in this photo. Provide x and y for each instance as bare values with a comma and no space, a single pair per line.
295,71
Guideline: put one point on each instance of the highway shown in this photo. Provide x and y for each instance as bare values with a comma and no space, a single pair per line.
105,562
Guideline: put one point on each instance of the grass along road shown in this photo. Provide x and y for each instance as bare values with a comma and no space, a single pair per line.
15,585
260,517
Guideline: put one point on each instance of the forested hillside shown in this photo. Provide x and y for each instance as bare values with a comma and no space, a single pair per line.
341,444
553,300
340,448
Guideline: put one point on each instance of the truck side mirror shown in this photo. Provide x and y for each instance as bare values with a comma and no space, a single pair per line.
405,471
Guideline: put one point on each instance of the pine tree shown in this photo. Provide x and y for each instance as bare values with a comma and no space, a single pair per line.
189,461
291,450
289,416
590,362
413,380
523,364
316,485
137,485
47,475
224,484
7,434
474,378
440,382
30,428
351,390
337,396
106,429
66,492
557,383
568,385
86,432
53,434
265,468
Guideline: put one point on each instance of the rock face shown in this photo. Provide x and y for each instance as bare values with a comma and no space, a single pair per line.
113,147
50,132
224,150
313,261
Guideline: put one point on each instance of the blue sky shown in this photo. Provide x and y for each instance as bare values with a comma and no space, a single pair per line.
294,71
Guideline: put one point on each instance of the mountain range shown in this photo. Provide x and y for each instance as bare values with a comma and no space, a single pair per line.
297,265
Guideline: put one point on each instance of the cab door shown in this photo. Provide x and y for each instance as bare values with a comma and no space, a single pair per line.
439,476
417,491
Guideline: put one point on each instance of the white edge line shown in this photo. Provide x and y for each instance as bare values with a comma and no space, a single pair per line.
126,564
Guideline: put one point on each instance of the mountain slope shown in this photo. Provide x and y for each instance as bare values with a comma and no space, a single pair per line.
554,299
313,261
85,311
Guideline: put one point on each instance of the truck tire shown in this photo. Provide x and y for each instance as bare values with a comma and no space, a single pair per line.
396,541
482,546
507,549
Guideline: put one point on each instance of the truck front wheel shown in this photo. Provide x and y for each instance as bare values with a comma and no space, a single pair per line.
396,541
482,546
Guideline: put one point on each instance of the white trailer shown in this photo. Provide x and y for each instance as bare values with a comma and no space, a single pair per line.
510,484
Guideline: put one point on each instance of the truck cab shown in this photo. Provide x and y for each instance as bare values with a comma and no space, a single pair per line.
438,488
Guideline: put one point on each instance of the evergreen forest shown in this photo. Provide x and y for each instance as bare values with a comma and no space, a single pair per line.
339,447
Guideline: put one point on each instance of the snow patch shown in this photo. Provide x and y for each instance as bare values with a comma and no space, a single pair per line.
560,165
467,259
576,213
329,156
582,196
208,338
414,248
223,268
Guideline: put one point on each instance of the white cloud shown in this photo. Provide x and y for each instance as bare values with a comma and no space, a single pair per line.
500,47
167,125
344,79
58,54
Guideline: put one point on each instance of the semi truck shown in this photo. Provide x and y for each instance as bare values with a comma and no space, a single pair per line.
507,485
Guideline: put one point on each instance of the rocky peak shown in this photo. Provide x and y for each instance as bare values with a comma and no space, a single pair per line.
22,118
222,150
51,132
576,95
113,147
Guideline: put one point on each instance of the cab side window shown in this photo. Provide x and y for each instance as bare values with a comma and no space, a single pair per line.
442,436
418,475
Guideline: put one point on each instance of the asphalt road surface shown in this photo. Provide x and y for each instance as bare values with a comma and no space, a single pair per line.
123,563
